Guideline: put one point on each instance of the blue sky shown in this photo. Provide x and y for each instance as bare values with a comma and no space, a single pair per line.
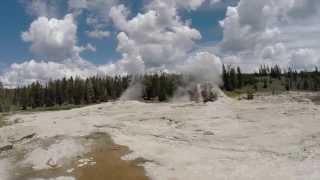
46,39
15,20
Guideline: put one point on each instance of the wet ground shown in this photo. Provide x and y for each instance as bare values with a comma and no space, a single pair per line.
315,99
102,162
106,163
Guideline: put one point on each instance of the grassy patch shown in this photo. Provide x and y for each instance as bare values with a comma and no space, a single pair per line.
3,119
274,86
54,108
238,92
232,94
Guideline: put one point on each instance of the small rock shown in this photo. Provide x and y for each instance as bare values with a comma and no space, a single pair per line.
208,133
23,138
70,170
52,163
81,165
115,148
6,148
17,120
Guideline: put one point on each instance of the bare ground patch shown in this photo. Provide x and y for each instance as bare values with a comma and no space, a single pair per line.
102,161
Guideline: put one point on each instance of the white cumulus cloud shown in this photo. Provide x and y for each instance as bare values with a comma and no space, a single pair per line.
158,39
271,32
55,42
305,59
53,39
46,8
31,71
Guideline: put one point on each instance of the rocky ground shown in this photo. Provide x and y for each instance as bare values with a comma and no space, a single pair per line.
270,137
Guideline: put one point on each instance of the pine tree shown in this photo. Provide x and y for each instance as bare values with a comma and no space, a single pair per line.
89,92
239,78
24,100
70,87
36,95
78,91
59,93
51,91
64,91
225,78
265,83
162,92
305,85
233,79
1,97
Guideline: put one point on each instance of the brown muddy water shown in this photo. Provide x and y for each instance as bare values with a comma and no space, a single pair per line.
108,163
102,162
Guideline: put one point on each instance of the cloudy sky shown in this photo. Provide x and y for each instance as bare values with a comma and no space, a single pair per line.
48,39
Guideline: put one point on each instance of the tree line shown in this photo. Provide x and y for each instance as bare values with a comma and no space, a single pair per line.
287,79
77,91
159,87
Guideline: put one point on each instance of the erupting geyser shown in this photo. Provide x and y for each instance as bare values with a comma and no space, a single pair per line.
205,92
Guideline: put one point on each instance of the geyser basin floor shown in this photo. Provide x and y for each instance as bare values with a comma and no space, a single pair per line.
104,163
100,161
269,138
